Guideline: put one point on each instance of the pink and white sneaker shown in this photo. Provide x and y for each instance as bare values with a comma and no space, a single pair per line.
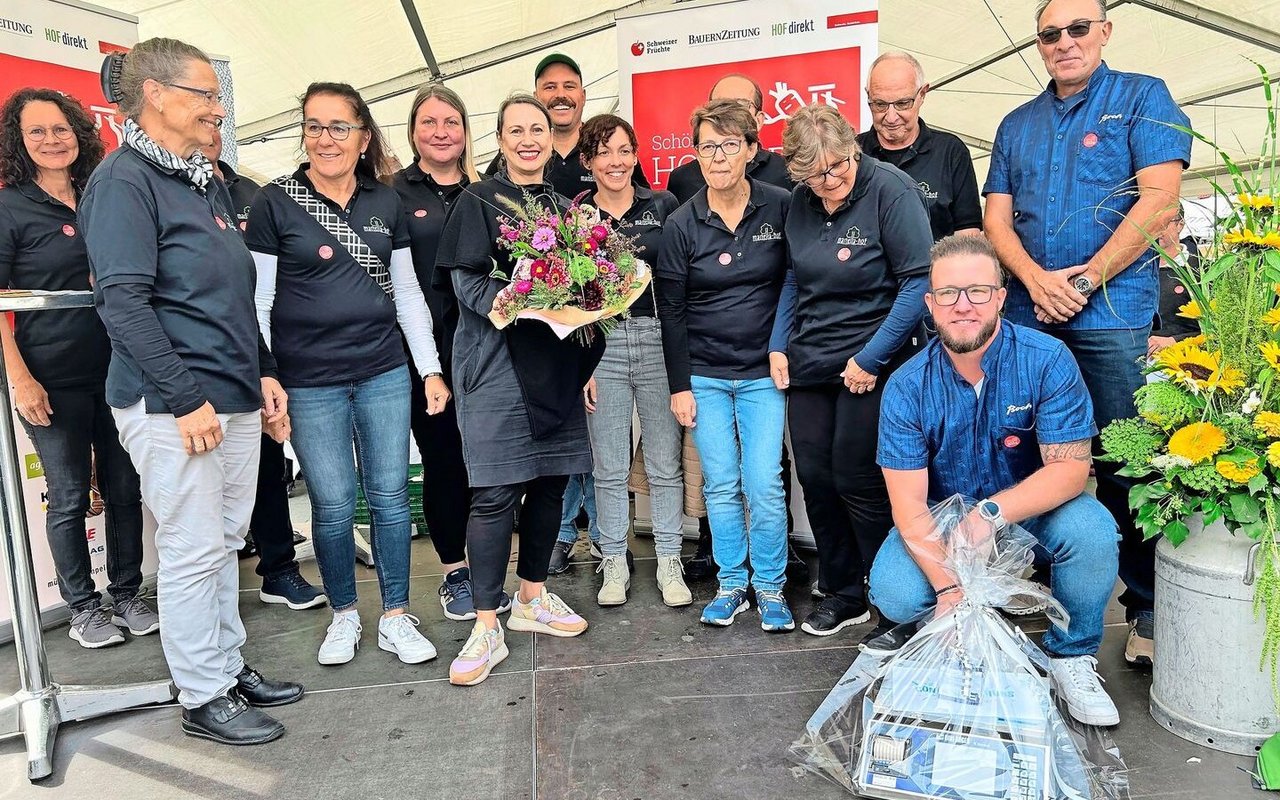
484,650
546,613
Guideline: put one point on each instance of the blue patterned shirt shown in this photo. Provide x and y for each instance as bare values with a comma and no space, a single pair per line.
1070,166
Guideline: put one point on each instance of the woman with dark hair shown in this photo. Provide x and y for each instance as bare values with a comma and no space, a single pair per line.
440,137
524,430
57,362
190,380
336,286
632,378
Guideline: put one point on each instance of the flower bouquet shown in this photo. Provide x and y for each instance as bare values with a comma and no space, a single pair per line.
574,271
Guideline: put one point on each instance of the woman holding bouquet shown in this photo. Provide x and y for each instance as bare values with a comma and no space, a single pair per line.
524,430
719,276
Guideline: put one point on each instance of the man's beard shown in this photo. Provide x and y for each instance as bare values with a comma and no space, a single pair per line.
962,346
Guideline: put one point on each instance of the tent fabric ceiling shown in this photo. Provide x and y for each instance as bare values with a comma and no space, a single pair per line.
488,49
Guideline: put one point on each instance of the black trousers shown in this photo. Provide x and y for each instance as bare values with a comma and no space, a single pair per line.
446,496
270,525
493,517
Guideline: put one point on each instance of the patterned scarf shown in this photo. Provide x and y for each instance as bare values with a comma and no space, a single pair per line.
196,169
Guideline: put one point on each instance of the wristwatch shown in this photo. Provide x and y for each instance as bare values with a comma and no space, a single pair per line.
1083,285
990,511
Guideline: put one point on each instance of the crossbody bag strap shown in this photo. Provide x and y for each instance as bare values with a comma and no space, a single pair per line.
340,230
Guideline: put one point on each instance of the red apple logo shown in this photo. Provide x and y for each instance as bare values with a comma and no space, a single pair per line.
637,48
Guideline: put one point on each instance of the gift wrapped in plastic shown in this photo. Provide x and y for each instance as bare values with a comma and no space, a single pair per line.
966,709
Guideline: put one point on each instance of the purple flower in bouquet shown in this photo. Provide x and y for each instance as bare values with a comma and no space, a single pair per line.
592,296
524,287
600,233
509,233
543,239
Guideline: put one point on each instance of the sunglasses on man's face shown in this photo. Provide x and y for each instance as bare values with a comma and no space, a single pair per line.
1076,30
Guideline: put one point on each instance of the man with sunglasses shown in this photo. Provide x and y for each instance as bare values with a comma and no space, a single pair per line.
1080,177
938,161
998,413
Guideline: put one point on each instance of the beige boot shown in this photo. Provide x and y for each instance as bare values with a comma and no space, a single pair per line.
671,581
617,580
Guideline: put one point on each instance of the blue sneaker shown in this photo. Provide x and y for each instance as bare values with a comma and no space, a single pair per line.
456,597
775,614
726,605
292,590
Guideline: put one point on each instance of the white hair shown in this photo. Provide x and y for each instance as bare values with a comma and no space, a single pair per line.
1043,4
899,55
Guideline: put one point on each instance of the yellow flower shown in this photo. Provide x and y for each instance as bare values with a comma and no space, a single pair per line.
1238,473
1267,423
1273,454
1190,310
1196,341
1227,379
1271,352
1272,240
1197,442
1272,318
1255,200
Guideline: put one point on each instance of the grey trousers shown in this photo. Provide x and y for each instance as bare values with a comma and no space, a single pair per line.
202,505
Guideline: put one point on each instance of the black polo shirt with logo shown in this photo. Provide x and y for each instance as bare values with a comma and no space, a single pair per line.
41,248
567,175
940,163
848,266
242,191
145,226
718,289
644,221
767,167
426,207
330,323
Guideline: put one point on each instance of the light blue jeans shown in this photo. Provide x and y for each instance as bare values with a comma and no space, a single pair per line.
374,414
580,493
738,431
1078,537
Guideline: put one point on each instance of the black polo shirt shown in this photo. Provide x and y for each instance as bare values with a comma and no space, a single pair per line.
242,191
940,163
848,266
767,167
644,221
1173,295
331,322
567,175
718,289
41,248
426,207
147,226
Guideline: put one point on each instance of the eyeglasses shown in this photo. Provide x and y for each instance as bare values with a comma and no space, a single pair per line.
978,294
730,147
338,131
211,97
905,104
1076,30
57,131
834,171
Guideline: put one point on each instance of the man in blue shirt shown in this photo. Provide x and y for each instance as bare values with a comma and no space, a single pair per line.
1079,177
997,413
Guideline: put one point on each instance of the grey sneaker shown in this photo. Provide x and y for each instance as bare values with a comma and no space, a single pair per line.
92,628
137,616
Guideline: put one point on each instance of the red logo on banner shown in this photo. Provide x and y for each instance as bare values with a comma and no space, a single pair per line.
67,230
637,48
1090,139
420,213
325,251
1012,441
847,20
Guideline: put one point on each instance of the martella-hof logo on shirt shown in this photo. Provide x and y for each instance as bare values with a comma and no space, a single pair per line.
648,219
376,225
767,234
929,193
852,236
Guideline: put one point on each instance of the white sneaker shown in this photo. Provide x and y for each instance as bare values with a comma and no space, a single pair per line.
617,580
671,581
399,634
341,640
1078,683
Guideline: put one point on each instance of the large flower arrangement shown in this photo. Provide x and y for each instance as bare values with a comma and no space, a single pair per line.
574,271
1207,436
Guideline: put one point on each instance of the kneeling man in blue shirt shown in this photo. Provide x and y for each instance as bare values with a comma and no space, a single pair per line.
997,413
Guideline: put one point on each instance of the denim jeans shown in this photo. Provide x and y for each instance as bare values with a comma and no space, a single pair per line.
81,428
1078,538
738,431
374,414
1111,364
632,375
579,494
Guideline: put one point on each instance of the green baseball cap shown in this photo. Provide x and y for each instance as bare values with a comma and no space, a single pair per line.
556,58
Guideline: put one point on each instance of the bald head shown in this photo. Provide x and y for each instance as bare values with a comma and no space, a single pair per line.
895,93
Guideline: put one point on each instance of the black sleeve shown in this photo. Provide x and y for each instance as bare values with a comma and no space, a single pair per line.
466,252
670,278
966,210
126,309
266,361
492,169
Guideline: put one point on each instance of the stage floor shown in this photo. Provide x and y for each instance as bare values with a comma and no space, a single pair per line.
649,704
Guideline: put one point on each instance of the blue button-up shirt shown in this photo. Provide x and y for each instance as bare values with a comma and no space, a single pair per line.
979,443
1070,166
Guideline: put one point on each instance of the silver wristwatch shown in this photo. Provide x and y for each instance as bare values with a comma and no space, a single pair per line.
1083,285
990,511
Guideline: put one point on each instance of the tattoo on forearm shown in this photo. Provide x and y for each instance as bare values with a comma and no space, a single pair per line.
1067,451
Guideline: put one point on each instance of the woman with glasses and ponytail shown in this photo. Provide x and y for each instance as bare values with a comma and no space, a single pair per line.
336,286
858,242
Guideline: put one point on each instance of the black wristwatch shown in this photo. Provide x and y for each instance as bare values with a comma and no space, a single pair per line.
1083,285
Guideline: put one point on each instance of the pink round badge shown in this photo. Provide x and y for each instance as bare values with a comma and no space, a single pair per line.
67,230
1090,139
725,258
420,213
1012,441
1178,290
843,253
244,225
221,223
325,251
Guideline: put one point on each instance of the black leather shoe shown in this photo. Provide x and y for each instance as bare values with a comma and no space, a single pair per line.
887,638
701,565
797,567
231,720
264,693
833,615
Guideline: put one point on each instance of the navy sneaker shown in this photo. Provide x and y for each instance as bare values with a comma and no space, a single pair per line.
456,597
292,590
775,614
726,605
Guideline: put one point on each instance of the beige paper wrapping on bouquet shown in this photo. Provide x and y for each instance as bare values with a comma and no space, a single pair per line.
564,321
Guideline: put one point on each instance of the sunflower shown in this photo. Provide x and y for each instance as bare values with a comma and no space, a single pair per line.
1190,310
1255,200
1197,442
1271,352
1273,454
1226,379
1267,423
1239,472
1272,318
1243,236
1198,369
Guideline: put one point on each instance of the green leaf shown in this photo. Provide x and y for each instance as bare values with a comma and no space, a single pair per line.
1255,530
1134,471
1176,532
1258,483
1244,508
1138,494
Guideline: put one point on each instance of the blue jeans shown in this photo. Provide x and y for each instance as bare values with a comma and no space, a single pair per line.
580,493
1078,538
738,431
1111,365
374,414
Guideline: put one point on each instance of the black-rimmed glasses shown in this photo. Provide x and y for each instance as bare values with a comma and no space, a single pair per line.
707,150
903,104
1076,30
210,97
978,294
836,170
338,131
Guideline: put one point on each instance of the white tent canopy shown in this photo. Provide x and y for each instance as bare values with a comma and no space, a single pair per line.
978,55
